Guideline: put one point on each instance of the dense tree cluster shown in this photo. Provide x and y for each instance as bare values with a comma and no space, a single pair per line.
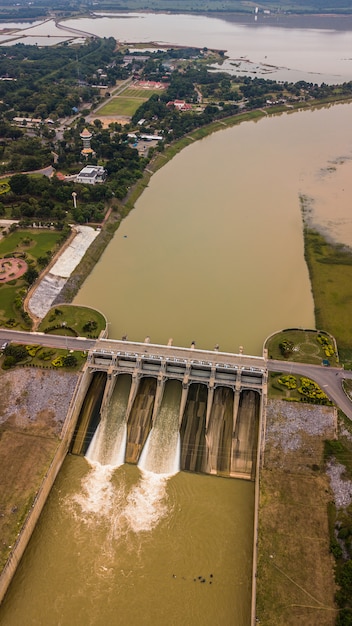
43,199
50,81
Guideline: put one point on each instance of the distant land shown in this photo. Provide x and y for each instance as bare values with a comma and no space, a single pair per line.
36,9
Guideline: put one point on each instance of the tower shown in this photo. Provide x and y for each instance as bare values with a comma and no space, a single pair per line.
86,136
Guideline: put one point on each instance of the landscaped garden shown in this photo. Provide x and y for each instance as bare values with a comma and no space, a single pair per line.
34,248
71,320
34,355
296,389
305,346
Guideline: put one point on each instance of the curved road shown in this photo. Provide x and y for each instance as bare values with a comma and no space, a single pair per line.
329,380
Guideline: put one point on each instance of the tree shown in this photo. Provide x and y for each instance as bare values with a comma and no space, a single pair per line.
19,183
18,353
31,275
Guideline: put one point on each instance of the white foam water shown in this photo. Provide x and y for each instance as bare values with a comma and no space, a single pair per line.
138,509
108,444
146,503
97,495
161,453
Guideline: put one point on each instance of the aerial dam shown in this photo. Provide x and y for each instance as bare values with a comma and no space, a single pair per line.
168,408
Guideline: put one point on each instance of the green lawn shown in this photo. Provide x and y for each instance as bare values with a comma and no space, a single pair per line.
32,244
73,320
7,296
305,347
121,106
40,242
144,94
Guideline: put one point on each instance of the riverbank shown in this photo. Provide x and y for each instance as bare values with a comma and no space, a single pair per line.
122,208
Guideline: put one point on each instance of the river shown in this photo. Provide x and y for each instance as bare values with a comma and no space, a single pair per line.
315,49
213,252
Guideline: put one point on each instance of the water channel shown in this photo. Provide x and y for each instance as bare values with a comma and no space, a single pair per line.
213,252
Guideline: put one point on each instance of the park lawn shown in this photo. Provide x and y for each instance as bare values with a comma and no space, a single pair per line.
8,294
307,349
41,242
121,106
73,317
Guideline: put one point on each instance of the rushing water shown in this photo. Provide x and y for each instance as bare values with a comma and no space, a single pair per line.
135,549
213,252
109,441
161,453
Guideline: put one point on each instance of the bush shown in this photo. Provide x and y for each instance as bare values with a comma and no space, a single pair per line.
9,361
289,381
286,347
70,361
19,353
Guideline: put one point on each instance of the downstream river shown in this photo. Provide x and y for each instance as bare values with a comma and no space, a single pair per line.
212,252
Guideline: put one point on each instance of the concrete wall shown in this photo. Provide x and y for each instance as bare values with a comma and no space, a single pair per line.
48,481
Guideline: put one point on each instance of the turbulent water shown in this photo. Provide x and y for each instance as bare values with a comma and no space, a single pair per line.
161,453
109,441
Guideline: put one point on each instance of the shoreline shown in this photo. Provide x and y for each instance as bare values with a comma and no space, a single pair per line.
123,207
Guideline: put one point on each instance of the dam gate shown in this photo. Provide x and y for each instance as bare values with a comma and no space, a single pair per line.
217,402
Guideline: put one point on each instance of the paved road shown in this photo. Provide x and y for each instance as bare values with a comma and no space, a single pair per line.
329,380
52,341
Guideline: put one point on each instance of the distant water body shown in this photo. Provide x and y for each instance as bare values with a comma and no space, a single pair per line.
313,48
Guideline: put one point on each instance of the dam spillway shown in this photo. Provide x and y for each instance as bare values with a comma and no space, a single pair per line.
216,405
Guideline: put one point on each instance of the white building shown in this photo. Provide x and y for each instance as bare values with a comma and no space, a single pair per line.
91,174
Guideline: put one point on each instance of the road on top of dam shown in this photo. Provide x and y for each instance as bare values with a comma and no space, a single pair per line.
328,378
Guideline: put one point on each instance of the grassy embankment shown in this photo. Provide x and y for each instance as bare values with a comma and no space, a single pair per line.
289,496
330,269
122,208
33,406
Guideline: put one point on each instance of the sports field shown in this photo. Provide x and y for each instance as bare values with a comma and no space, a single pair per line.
121,106
128,103
140,92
